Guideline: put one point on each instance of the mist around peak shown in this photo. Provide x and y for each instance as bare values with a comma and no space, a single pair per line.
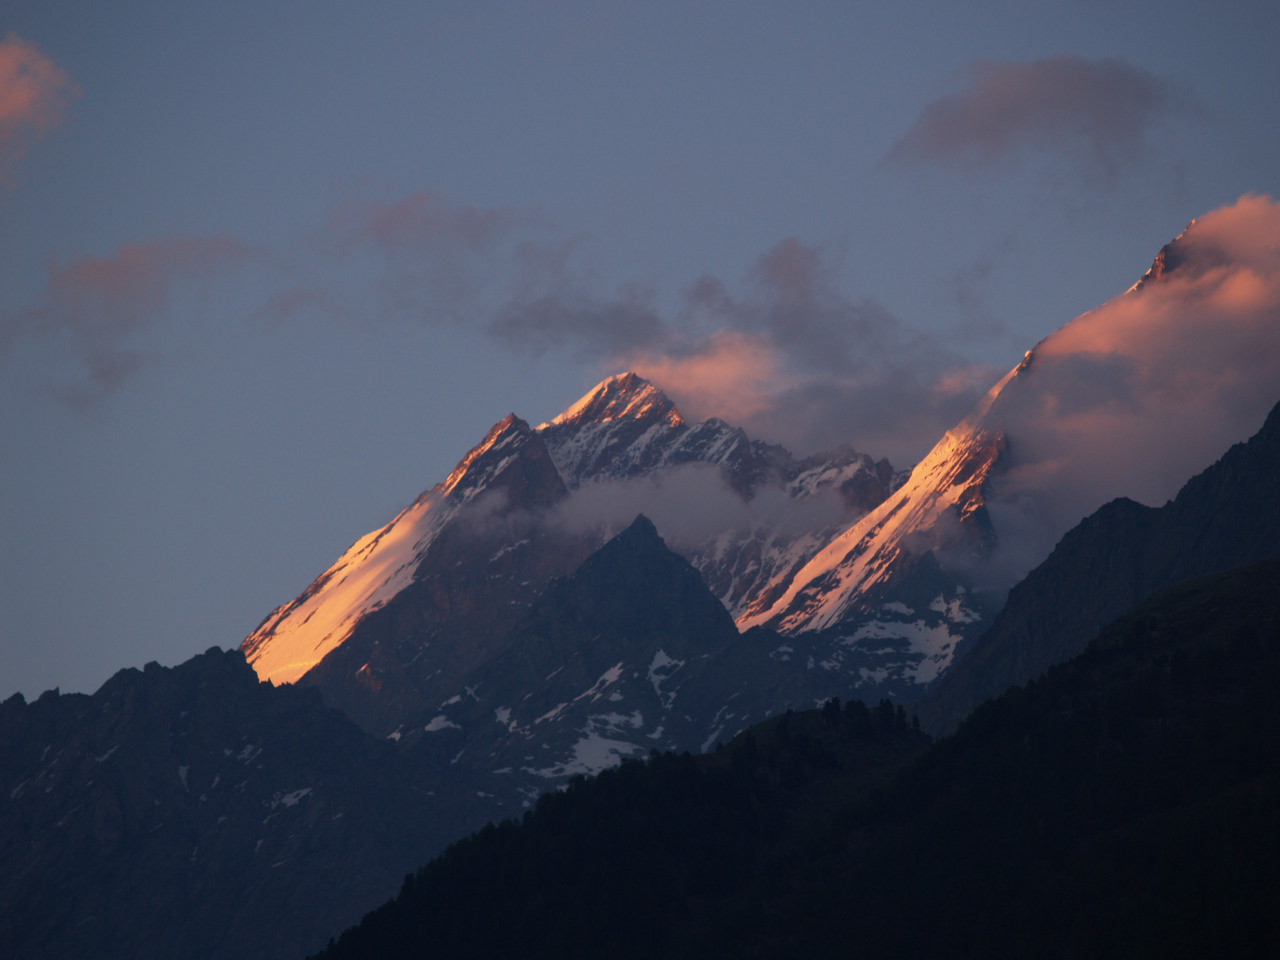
1134,397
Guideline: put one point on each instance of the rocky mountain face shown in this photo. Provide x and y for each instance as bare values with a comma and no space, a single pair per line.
631,654
901,578
874,581
197,812
1225,517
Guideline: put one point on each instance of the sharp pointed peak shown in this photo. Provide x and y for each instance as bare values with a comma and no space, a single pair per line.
624,396
1171,256
510,428
642,526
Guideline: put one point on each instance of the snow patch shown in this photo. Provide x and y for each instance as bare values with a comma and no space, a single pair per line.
591,754
933,644
298,635
953,610
290,799
661,668
508,548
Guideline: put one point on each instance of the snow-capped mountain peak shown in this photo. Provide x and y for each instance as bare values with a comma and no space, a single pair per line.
624,396
488,458
511,461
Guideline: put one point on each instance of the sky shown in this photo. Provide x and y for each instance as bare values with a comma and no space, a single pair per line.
269,269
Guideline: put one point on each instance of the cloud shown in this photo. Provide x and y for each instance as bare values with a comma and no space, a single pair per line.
782,350
34,92
1134,397
730,375
96,307
435,260
792,358
1096,113
896,409
692,503
553,303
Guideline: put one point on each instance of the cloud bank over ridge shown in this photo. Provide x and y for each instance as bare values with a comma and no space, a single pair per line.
1133,398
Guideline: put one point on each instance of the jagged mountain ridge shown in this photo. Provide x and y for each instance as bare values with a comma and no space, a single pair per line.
628,430
392,627
882,600
881,579
510,466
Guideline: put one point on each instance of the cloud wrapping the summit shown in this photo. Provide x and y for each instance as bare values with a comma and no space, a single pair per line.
34,93
1097,113
1134,397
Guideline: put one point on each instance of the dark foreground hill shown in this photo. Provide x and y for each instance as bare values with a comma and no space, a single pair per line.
195,812
1224,517
1122,806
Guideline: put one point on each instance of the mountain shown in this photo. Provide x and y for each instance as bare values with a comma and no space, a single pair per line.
390,630
1123,806
509,469
194,811
630,654
625,442
882,579
1224,517
896,575
1128,399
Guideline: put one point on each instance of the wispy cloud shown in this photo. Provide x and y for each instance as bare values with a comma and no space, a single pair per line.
34,93
1098,114
97,307
782,350
435,260
789,355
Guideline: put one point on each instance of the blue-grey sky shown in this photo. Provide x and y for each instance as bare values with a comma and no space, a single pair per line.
268,269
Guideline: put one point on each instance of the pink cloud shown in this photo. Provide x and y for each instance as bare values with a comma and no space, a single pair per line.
790,357
34,92
733,376
1134,397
